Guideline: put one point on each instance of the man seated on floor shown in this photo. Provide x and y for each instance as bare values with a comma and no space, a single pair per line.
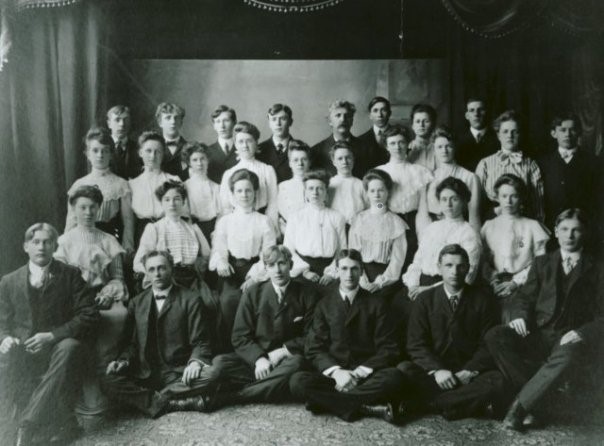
166,353
352,346
556,323
450,368
46,311
271,324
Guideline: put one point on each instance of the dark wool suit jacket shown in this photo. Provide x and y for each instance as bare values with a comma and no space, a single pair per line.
262,325
321,159
376,154
582,305
183,332
65,305
218,161
172,162
469,152
126,163
439,338
569,185
363,335
267,153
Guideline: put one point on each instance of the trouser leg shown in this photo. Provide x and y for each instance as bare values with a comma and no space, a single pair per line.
129,391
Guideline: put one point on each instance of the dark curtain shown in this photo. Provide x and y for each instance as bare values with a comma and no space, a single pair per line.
49,96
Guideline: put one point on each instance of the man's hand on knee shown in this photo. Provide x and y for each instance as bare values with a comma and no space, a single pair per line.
38,341
570,337
519,326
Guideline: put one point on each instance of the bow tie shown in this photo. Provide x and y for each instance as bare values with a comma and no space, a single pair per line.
512,157
159,296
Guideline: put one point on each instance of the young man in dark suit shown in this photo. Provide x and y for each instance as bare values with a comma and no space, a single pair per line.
165,358
222,154
557,320
352,347
273,151
373,139
477,140
569,173
169,119
271,324
340,119
125,161
46,313
450,368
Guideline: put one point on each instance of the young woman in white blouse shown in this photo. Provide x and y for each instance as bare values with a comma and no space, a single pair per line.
147,208
454,196
444,152
511,241
203,194
246,138
315,233
379,235
183,240
238,240
115,213
423,121
291,192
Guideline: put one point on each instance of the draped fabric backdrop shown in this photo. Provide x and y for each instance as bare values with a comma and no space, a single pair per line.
50,93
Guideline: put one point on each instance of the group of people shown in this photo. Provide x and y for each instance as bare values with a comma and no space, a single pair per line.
403,271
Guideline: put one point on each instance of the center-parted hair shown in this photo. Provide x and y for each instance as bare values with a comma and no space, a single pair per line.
340,145
166,108
224,109
351,254
559,118
454,250
100,134
514,181
378,174
246,127
457,186
296,144
151,135
31,231
508,115
169,185
118,110
244,174
317,174
158,253
443,132
573,214
89,191
273,253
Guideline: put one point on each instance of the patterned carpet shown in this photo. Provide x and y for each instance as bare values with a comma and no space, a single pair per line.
285,425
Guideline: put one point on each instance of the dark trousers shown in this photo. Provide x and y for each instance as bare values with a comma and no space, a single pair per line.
315,388
420,389
45,386
532,365
241,387
142,393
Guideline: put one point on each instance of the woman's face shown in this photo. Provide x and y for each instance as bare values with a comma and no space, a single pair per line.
444,150
298,162
152,153
508,135
86,212
509,199
172,203
244,194
377,193
199,163
315,192
397,147
98,154
245,145
422,124
451,204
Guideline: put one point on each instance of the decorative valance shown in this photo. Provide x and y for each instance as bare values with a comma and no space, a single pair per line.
294,6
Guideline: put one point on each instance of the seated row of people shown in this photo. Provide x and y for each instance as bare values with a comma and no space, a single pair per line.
346,352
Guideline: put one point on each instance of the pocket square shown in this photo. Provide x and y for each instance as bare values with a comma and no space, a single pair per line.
298,319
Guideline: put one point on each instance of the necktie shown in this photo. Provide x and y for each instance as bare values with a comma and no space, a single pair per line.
347,302
280,148
478,137
279,296
159,297
227,148
454,302
568,265
567,155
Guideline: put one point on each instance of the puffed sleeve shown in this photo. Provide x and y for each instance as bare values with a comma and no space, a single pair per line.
219,257
148,243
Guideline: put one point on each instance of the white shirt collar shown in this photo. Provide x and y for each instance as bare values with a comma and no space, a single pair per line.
476,132
36,270
222,142
165,292
280,289
574,256
449,295
350,294
284,142
377,130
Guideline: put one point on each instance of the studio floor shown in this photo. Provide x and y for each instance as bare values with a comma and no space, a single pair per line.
284,425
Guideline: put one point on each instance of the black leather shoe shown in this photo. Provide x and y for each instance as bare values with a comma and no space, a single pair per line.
514,419
25,437
388,412
192,404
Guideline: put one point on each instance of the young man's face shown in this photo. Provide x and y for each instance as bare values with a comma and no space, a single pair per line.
279,124
223,125
340,121
453,269
298,162
159,271
170,124
566,134
40,248
379,114
119,124
570,233
278,271
349,272
476,114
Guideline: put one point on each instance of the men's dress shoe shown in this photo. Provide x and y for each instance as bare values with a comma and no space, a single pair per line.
158,405
192,404
530,421
388,412
25,437
515,417
314,408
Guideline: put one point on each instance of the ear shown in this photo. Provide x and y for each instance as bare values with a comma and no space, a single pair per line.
553,133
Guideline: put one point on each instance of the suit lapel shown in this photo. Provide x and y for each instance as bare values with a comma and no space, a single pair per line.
167,304
355,307
582,267
145,312
285,303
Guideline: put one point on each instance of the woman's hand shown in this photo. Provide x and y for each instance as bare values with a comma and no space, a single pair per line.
225,271
309,275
